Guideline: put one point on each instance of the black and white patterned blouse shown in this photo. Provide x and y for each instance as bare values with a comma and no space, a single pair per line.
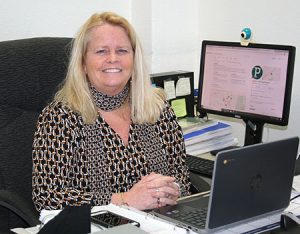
75,163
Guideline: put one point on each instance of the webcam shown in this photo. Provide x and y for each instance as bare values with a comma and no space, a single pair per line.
246,36
246,33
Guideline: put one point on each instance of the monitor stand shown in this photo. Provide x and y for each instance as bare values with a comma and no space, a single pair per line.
253,133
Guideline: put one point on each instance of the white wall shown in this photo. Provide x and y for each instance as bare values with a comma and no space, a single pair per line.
141,18
171,31
175,39
34,18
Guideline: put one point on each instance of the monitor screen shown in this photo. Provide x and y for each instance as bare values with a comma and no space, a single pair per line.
253,82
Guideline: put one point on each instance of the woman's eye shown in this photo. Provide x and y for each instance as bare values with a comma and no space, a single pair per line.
122,51
102,51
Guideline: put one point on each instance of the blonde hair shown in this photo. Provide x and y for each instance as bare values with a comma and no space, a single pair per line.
147,102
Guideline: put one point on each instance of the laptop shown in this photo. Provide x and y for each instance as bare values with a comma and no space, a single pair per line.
248,183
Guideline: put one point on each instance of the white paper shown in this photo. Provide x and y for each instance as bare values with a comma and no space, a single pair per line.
183,87
169,87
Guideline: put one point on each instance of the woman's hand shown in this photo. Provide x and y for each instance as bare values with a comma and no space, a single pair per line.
152,191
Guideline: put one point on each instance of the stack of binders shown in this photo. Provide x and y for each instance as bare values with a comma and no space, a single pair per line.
202,136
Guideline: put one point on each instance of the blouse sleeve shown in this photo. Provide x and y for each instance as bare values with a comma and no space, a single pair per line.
59,176
176,152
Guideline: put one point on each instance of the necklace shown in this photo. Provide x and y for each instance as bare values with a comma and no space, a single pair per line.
109,103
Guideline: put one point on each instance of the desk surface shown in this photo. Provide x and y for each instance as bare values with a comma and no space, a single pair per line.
153,224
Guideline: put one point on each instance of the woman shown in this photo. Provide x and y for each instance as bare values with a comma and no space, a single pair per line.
108,136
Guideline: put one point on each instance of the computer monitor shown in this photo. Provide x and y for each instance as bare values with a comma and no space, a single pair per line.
252,83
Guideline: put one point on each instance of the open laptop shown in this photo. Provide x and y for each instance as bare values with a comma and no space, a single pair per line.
248,183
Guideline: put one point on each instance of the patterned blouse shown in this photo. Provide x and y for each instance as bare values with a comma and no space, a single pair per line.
75,163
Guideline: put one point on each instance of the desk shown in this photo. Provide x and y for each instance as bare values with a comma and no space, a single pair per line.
148,222
152,224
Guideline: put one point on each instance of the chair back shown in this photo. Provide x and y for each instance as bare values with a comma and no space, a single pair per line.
30,73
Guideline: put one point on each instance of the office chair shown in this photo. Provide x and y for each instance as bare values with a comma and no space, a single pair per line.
30,72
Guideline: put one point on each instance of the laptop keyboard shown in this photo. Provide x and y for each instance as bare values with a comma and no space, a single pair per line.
200,165
196,217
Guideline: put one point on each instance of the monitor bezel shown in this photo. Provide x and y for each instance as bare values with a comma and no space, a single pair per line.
245,115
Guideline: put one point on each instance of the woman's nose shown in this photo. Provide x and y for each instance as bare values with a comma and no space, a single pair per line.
112,57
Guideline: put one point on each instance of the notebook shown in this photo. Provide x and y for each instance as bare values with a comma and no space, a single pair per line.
248,183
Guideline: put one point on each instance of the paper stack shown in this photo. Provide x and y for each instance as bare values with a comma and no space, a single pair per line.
202,136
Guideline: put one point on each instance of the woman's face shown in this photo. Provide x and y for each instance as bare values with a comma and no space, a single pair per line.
108,62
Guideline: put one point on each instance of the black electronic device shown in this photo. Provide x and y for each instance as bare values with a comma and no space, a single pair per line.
252,83
200,165
109,219
289,221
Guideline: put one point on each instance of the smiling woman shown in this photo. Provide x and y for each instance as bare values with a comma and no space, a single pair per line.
108,136
109,59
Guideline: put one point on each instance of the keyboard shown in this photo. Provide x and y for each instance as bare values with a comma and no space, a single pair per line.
200,165
196,217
